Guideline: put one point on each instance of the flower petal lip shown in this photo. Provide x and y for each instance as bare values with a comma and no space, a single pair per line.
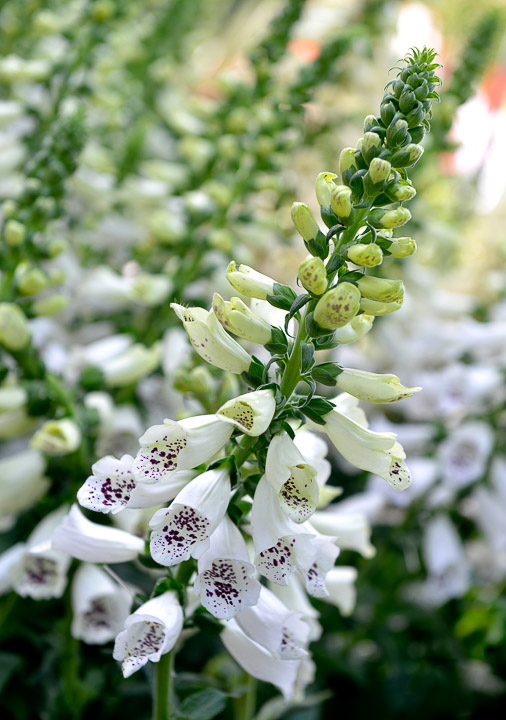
252,412
110,487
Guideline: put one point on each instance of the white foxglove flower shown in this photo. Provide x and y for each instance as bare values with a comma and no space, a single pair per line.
258,661
373,387
85,540
99,604
149,495
351,530
446,563
314,449
211,341
463,454
325,552
179,446
237,318
294,597
22,481
225,579
150,632
340,583
184,528
292,477
250,282
252,413
378,453
57,437
271,624
110,487
490,515
9,560
131,365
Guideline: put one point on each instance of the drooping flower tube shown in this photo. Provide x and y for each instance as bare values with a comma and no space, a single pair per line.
238,318
225,579
351,530
252,412
85,540
150,632
340,583
250,282
99,604
211,341
184,528
373,387
179,446
22,481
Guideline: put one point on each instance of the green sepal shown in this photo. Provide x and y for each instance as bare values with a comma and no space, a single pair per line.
326,373
312,327
306,356
317,408
254,375
278,343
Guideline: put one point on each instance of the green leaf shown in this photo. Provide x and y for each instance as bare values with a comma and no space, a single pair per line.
203,705
211,626
297,304
9,664
326,373
317,408
279,301
285,291
307,354
279,342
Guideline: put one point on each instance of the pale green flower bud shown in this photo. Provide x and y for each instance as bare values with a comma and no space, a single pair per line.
236,317
56,247
354,330
57,437
370,122
131,365
313,275
402,247
347,164
380,218
56,277
338,306
221,239
324,186
380,289
373,387
367,255
14,330
14,233
149,290
249,282
9,208
51,305
340,201
371,147
401,191
379,170
397,133
373,307
30,280
407,155
201,381
304,222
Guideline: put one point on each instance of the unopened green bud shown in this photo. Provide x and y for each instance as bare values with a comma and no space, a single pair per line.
51,305
402,247
249,282
238,318
340,201
367,255
313,275
201,380
407,156
417,133
324,186
181,381
380,218
9,208
57,437
14,330
380,289
347,164
407,100
379,170
30,280
304,222
387,112
354,330
370,122
56,276
373,307
338,306
401,191
56,247
221,239
371,147
14,233
397,133
415,116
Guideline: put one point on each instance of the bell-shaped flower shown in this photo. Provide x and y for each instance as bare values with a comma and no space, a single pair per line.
314,449
354,330
211,341
237,318
294,597
340,583
352,530
375,452
131,365
225,579
99,604
380,289
57,437
325,552
292,478
150,632
258,662
110,487
179,446
373,387
85,540
149,495
184,528
252,413
22,481
41,571
376,308
250,282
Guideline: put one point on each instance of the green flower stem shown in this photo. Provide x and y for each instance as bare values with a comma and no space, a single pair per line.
242,452
246,704
291,375
162,694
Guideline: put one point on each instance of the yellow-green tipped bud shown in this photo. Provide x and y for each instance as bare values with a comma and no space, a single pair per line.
56,247
380,218
313,275
379,170
397,133
355,329
371,147
9,208
401,191
373,387
249,282
237,318
30,280
51,305
370,122
347,160
201,380
380,289
338,306
340,201
324,186
14,233
14,330
407,156
57,437
304,222
367,255
373,307
402,247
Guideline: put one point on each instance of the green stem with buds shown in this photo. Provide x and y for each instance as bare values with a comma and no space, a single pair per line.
162,696
291,375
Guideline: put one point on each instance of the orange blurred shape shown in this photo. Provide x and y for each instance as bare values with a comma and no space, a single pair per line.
494,87
306,50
